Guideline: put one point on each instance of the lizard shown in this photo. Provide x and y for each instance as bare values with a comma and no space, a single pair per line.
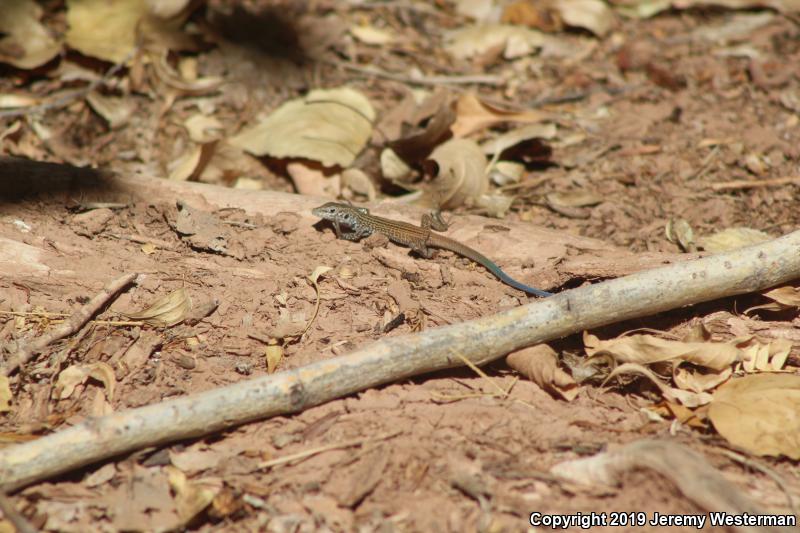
419,238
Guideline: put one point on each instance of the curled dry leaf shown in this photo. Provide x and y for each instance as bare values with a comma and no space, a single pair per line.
393,168
190,497
372,35
314,181
784,298
685,397
759,357
648,349
330,126
5,394
166,311
115,111
699,381
174,80
574,198
25,42
679,231
592,15
460,174
75,375
514,137
474,115
203,128
732,239
274,356
357,181
760,413
540,365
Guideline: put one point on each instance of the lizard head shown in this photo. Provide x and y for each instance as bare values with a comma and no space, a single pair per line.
335,211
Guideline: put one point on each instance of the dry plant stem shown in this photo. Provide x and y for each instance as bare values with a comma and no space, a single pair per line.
746,270
73,324
754,184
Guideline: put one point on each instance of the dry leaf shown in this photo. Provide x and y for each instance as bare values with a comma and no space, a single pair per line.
699,381
680,232
762,357
515,41
166,311
357,181
785,298
103,29
593,15
25,42
393,168
5,394
731,239
75,375
202,128
460,174
474,115
648,349
574,198
511,138
330,126
540,365
372,35
115,111
12,101
314,181
274,355
190,497
687,398
760,413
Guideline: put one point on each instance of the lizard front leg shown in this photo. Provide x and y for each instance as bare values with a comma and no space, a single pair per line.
354,235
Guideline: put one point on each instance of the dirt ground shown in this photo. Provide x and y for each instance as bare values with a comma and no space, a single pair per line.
690,115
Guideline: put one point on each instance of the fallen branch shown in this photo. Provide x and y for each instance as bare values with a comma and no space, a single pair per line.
73,324
741,271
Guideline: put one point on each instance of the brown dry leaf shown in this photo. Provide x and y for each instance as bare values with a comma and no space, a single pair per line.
686,416
174,80
393,168
372,35
687,398
732,239
592,15
474,115
166,311
166,8
460,174
314,181
540,365
187,165
357,181
648,349
759,357
10,101
680,232
5,394
784,298
75,375
190,497
203,128
760,413
516,136
698,381
103,29
574,198
515,41
330,126
416,145
787,296
115,111
274,355
25,42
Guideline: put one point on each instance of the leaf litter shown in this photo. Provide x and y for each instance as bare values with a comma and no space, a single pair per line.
626,193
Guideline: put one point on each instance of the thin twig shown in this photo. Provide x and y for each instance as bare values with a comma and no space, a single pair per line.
476,79
754,184
68,97
319,449
739,458
75,322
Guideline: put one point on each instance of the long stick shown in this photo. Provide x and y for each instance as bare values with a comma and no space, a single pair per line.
480,341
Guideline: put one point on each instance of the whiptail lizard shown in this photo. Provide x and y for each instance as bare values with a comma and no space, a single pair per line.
418,238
